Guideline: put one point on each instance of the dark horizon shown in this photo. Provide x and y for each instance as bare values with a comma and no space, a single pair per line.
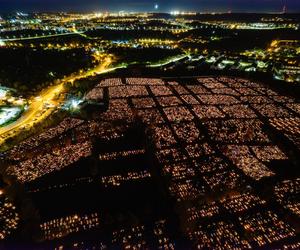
182,12
235,6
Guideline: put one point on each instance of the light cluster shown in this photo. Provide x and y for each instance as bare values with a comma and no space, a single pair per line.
210,141
120,154
237,131
117,180
40,165
244,159
110,82
95,94
9,218
58,228
290,127
136,237
207,210
287,192
20,151
144,81
127,91
218,235
265,228
241,202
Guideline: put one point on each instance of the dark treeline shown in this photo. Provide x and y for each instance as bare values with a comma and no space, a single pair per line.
143,55
30,70
129,34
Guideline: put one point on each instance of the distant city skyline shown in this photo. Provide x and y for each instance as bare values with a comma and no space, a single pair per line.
150,5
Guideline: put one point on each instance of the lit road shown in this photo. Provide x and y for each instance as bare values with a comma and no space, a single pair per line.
36,112
172,60
49,100
46,103
40,37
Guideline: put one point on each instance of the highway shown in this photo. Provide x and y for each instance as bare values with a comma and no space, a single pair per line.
36,112
40,37
43,105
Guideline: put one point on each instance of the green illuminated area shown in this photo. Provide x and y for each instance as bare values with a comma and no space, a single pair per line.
9,114
11,107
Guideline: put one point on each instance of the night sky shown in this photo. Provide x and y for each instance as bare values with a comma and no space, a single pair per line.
148,5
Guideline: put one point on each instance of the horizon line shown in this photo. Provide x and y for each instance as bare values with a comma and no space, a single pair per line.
178,12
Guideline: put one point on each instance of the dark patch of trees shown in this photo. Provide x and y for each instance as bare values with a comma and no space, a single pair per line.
30,70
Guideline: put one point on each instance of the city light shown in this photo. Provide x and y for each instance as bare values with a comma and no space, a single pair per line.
149,130
72,104
175,12
75,104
